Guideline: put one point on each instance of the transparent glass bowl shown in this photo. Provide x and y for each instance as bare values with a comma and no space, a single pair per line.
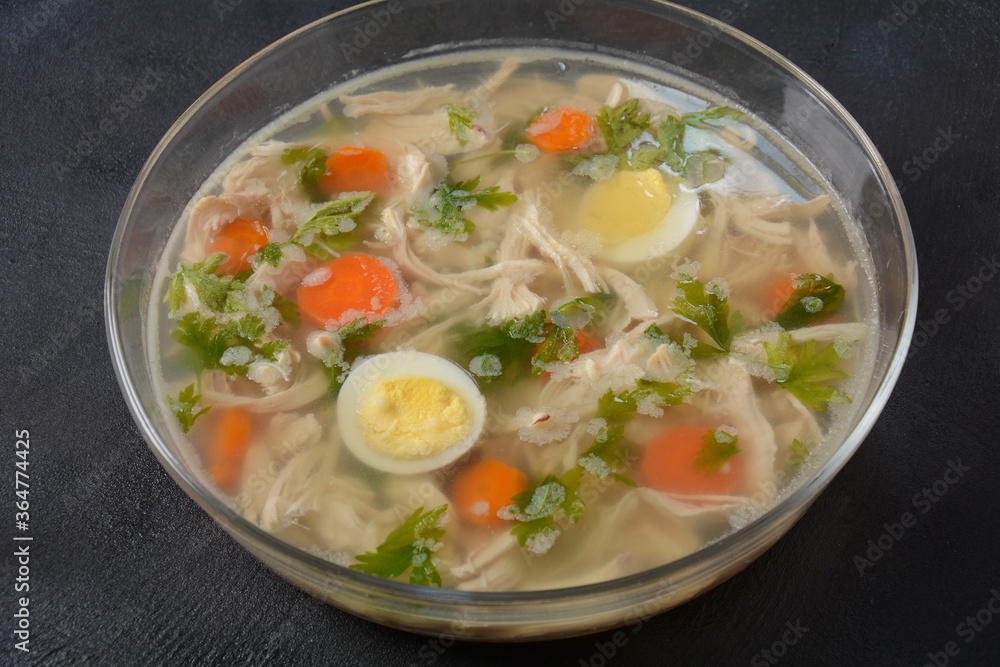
371,36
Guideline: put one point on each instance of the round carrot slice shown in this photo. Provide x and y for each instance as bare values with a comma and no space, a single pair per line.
668,464
355,169
229,438
562,130
483,488
239,240
355,284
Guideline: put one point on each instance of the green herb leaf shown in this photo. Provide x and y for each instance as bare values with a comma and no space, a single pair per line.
313,166
803,369
622,125
718,448
445,209
560,345
705,120
797,454
271,253
537,509
642,158
358,330
707,309
272,348
460,122
663,394
671,137
329,229
411,545
575,313
338,364
222,294
511,343
183,407
289,310
206,342
815,298
530,329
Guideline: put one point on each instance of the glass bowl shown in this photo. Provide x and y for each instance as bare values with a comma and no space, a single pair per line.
371,36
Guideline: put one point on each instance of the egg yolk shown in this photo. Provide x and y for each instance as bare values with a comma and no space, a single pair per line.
627,205
414,417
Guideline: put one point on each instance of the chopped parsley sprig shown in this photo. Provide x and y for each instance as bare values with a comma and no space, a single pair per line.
411,546
184,406
719,447
337,364
230,347
329,231
815,298
222,294
313,162
444,211
624,125
460,122
708,309
804,370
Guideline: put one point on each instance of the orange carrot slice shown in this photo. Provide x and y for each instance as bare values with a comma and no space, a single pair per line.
586,343
228,441
668,465
777,293
239,240
562,130
483,488
357,283
355,169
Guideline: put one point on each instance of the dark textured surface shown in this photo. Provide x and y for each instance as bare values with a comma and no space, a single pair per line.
125,569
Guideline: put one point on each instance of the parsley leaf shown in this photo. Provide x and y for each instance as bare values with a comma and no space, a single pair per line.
560,345
223,294
512,343
329,229
313,166
797,454
530,329
697,168
814,298
411,545
704,120
289,310
718,447
272,348
622,125
803,369
183,407
338,362
671,137
708,309
536,511
207,342
697,348
445,209
459,122
272,253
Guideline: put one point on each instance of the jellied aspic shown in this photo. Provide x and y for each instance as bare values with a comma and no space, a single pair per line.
521,321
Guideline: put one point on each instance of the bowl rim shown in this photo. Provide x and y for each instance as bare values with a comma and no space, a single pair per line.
404,592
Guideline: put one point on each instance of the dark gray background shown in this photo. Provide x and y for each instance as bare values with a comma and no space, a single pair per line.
126,569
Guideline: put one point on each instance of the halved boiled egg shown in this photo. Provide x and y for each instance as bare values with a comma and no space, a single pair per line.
638,215
409,412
